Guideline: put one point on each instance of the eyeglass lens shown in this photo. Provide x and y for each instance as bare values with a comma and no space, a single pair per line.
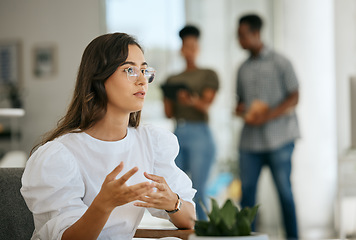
133,73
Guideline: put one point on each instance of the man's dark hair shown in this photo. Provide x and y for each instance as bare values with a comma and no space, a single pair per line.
253,20
189,30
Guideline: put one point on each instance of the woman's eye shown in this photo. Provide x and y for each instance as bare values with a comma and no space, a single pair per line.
130,70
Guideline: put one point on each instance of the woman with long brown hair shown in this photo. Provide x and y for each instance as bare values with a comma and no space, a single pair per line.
93,175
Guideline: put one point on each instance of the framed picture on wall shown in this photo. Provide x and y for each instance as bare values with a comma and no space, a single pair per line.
10,63
45,60
10,73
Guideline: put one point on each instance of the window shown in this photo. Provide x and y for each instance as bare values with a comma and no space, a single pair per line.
155,24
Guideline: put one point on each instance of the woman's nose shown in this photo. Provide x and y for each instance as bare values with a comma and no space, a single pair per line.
141,79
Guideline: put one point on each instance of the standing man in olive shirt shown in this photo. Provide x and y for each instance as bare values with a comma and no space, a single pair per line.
190,108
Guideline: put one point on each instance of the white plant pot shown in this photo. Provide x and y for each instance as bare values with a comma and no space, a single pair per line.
253,236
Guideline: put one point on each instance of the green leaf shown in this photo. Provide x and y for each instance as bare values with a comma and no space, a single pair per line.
250,213
201,228
204,228
213,230
243,226
228,213
204,208
226,221
214,215
224,230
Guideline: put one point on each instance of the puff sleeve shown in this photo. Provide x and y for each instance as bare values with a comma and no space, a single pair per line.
166,149
53,190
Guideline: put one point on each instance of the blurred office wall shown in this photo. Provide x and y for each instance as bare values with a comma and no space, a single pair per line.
309,34
318,36
68,26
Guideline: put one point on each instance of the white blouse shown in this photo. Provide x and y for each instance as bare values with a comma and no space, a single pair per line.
62,178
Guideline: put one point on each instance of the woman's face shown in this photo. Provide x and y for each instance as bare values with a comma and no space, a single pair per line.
126,95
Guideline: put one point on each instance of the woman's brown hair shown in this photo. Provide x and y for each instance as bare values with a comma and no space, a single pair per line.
100,60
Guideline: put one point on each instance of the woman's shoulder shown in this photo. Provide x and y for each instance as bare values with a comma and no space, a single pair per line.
54,146
154,130
52,156
155,133
49,170
50,148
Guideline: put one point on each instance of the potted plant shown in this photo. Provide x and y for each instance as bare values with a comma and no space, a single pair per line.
227,223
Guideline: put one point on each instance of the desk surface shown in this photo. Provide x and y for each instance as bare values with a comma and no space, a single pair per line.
160,233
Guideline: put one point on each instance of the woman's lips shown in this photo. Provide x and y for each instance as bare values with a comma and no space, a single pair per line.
140,94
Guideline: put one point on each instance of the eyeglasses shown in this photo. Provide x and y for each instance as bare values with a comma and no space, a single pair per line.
133,73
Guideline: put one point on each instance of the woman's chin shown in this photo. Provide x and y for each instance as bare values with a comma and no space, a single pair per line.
139,108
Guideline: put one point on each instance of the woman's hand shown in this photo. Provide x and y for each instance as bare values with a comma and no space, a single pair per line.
115,192
163,198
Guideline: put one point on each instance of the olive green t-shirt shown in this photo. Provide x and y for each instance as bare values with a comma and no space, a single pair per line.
196,81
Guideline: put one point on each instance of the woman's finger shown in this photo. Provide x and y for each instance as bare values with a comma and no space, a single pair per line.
111,176
140,187
154,197
127,176
154,178
148,202
144,204
161,186
136,191
144,198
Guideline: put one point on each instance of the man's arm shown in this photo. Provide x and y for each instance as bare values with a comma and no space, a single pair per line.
240,109
287,105
168,107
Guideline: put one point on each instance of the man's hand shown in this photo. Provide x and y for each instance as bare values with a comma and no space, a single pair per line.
240,110
257,119
258,114
185,98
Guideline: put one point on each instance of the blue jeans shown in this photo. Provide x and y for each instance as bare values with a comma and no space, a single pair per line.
196,156
279,162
